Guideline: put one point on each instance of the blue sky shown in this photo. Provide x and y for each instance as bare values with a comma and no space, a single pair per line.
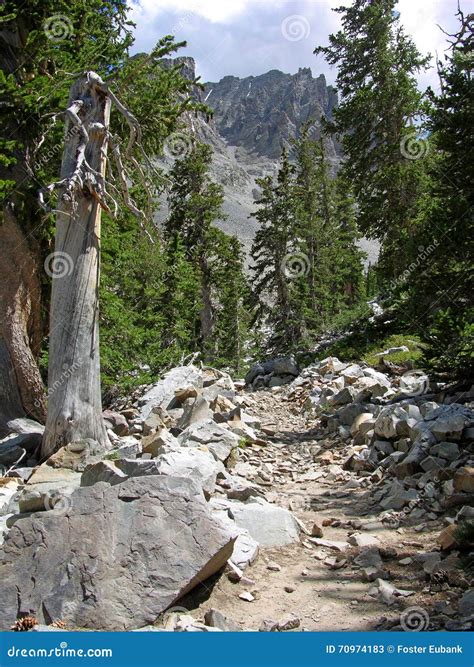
249,37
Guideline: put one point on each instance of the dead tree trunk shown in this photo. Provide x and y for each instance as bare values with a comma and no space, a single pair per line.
74,403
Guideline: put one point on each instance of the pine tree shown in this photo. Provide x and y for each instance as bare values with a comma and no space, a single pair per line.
377,64
195,203
316,230
275,258
441,302
181,304
232,317
347,256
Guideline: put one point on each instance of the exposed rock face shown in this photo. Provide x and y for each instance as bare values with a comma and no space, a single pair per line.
261,113
117,558
253,119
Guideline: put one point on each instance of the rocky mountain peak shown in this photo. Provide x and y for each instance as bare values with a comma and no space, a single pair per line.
262,113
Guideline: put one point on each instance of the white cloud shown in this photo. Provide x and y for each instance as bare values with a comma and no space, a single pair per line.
421,19
231,36
215,11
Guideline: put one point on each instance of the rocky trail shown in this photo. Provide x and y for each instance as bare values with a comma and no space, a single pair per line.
335,497
320,584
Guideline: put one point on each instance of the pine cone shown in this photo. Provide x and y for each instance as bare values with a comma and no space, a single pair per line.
58,624
24,624
438,580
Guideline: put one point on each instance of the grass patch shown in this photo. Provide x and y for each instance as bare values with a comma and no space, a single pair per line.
413,355
362,346
112,456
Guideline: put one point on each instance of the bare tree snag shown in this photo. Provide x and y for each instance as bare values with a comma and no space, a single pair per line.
75,405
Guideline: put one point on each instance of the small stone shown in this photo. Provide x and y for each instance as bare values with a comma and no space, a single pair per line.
214,619
446,537
289,623
316,530
246,596
405,561
363,540
289,589
274,567
330,544
268,625
246,581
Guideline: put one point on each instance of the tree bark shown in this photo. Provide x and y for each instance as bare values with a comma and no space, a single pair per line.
75,405
20,323
206,315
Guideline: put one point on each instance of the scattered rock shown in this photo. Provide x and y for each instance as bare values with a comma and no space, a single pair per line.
289,623
215,619
246,596
464,479
162,394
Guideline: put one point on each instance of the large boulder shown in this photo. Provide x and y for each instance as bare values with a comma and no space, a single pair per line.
284,367
162,394
194,464
119,556
394,421
195,411
220,441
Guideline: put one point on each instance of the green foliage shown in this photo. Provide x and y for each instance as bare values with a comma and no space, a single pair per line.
307,266
439,295
377,64
464,534
215,317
